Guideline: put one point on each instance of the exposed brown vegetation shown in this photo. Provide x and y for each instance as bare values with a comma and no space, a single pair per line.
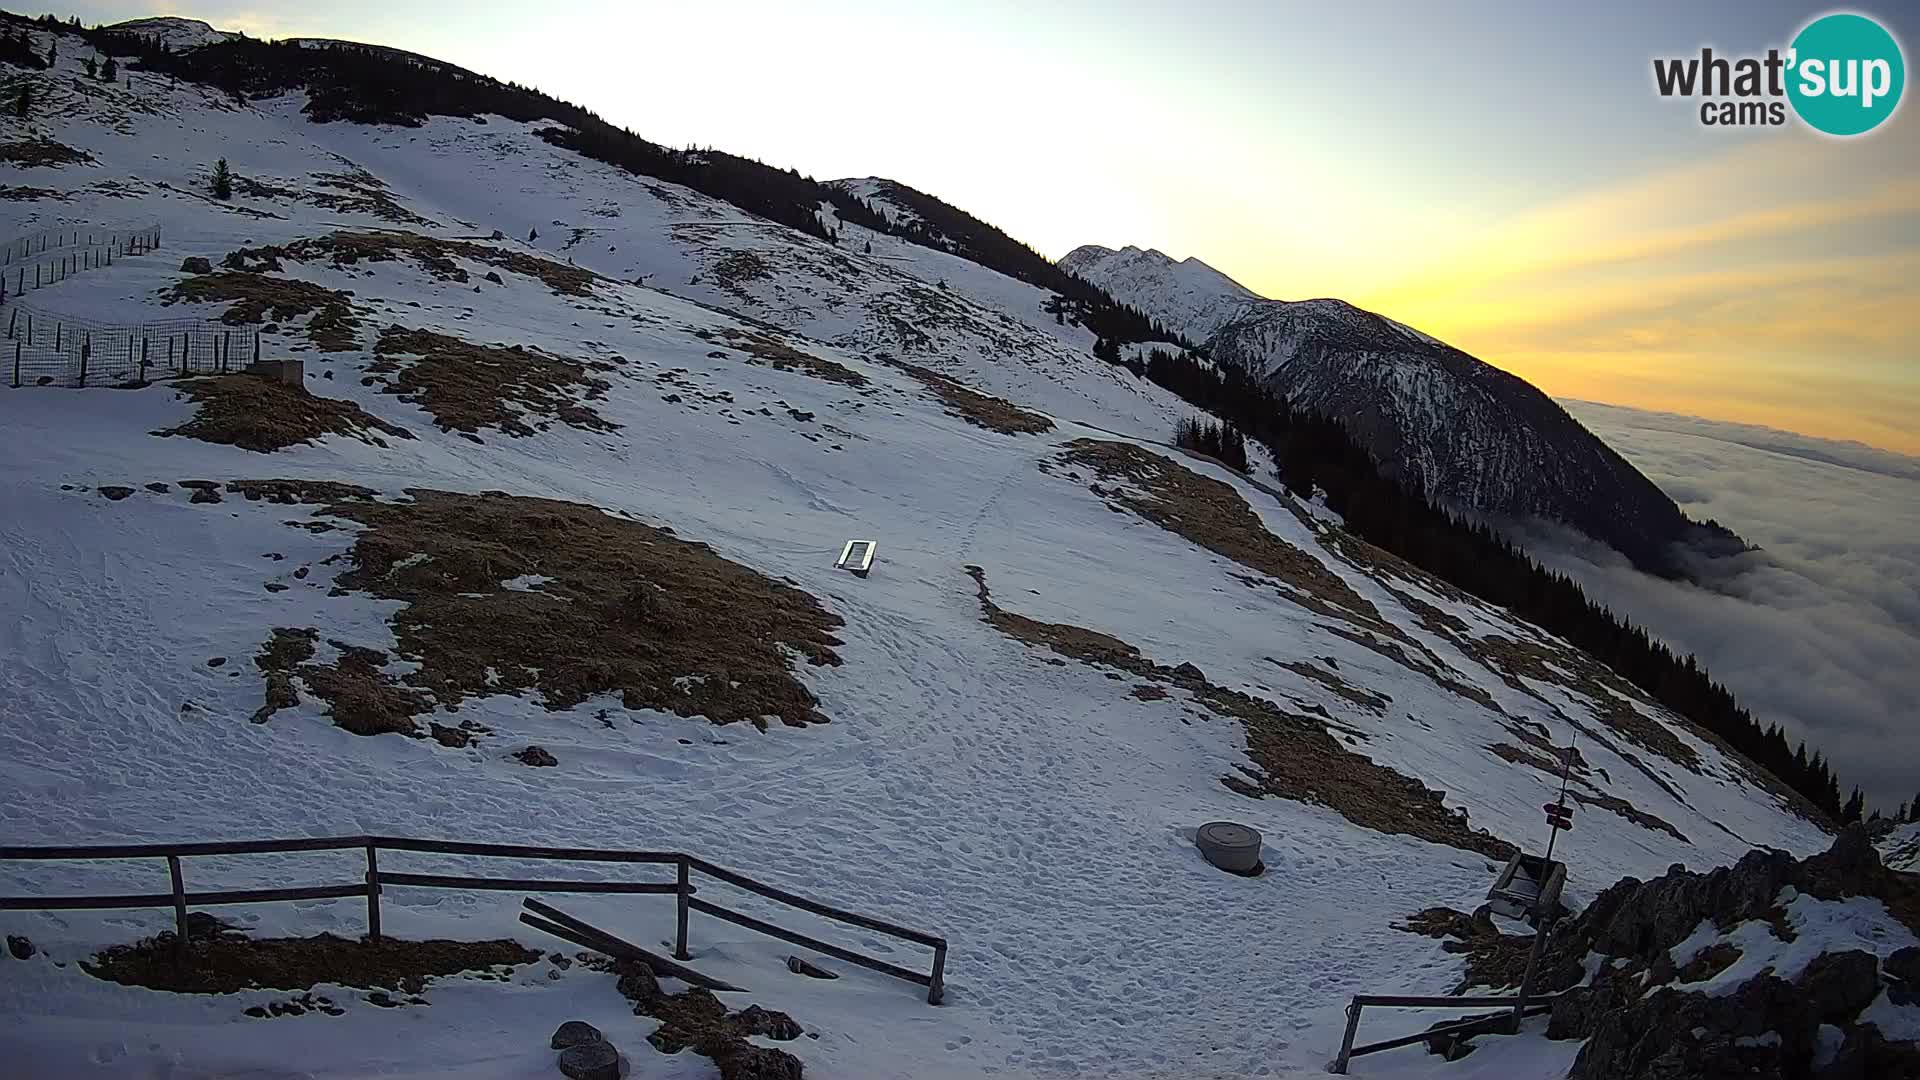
1297,757
358,191
625,608
31,194
1494,960
260,414
1611,696
470,387
223,961
1214,516
32,153
733,270
433,254
333,328
976,408
1366,699
1541,760
360,697
767,349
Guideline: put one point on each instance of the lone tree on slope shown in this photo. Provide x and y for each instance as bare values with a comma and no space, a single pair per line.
23,104
222,180
109,71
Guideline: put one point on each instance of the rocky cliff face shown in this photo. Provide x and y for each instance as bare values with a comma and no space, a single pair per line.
1436,418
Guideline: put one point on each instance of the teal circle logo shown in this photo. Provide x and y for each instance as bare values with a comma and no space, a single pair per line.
1847,74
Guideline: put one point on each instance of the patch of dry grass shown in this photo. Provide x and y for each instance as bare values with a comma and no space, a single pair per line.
470,387
31,194
260,414
435,255
765,348
976,408
1296,756
223,961
333,328
1212,515
41,153
1364,698
1610,696
628,609
1494,960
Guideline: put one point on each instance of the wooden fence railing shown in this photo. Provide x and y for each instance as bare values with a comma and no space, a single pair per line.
377,881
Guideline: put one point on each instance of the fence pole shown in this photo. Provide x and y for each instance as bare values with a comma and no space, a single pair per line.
256,347
680,938
373,894
58,329
937,988
86,347
226,349
1339,1066
179,911
16,363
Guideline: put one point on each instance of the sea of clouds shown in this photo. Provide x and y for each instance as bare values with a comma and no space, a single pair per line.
1819,630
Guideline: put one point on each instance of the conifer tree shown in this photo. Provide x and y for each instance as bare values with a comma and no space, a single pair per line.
109,71
23,104
1851,815
92,69
532,235
222,180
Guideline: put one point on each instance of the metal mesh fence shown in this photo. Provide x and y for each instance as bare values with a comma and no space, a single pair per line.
33,262
43,349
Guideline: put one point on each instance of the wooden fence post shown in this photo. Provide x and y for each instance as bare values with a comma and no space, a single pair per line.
143,358
680,937
16,363
179,911
226,349
937,988
86,348
373,894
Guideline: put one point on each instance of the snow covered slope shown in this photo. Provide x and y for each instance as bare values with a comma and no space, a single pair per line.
1015,755
1444,422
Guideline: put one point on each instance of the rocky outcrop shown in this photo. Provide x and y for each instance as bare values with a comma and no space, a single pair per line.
1641,1022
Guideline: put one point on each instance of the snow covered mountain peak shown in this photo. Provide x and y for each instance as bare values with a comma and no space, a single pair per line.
1442,421
1187,295
173,31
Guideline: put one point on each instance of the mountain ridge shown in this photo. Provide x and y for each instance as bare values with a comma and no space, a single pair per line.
1439,419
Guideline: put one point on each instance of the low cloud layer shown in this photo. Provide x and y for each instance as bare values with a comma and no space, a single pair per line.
1820,630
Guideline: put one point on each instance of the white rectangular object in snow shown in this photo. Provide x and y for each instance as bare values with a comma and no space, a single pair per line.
857,556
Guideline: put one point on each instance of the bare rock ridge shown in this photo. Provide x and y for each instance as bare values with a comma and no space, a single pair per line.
1439,420
1671,998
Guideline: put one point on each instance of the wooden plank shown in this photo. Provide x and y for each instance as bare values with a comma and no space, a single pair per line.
614,946
179,911
257,896
86,903
804,904
136,851
443,881
528,851
815,944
